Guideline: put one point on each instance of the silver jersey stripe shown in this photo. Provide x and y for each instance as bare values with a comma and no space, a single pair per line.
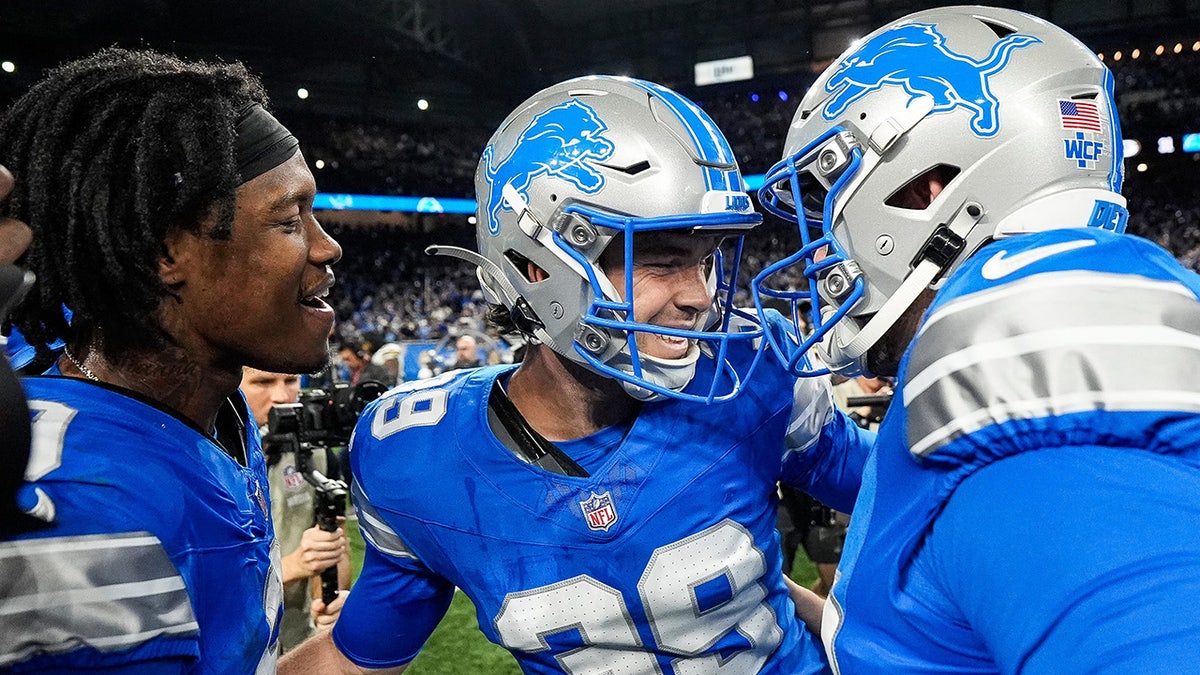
373,527
1047,286
60,545
110,591
812,409
1070,343
1057,405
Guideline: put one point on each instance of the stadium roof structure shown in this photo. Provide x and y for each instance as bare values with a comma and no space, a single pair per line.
475,59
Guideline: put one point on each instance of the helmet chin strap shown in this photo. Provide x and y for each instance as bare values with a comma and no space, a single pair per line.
844,348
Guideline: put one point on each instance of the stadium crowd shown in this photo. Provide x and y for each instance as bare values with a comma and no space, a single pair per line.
388,287
1158,96
377,157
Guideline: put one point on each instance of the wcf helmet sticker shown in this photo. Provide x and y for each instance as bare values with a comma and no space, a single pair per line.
1085,147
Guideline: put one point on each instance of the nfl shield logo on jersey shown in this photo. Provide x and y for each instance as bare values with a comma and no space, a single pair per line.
598,511
261,497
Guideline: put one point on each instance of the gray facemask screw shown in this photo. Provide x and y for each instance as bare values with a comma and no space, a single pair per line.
592,340
828,161
582,235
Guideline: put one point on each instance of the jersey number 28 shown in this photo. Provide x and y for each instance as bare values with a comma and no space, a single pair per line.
722,554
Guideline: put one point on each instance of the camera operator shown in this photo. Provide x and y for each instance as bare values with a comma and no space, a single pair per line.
864,398
309,549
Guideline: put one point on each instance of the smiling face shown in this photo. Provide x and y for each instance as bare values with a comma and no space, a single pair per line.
670,286
255,298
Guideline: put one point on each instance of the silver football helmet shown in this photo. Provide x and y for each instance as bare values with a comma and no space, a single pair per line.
1014,115
580,164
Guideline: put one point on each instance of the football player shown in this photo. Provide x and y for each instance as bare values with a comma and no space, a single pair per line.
173,215
610,504
1031,504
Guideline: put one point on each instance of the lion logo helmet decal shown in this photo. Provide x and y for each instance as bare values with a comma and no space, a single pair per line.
561,142
907,56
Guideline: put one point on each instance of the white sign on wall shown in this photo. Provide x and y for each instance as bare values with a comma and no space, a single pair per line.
724,70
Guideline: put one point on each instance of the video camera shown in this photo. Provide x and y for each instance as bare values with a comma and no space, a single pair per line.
878,404
321,419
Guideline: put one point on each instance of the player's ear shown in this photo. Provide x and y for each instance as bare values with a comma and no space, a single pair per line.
179,251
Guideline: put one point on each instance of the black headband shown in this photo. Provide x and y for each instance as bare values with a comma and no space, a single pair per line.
262,142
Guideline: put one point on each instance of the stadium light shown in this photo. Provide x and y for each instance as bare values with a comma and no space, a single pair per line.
1131,147
301,93
783,95
1166,145
422,104
1142,167
471,220
8,66
1158,51
1135,53
1100,55
320,163
1196,46
1117,56
754,98
1178,47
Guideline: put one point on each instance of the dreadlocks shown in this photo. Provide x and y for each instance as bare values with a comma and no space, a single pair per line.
110,153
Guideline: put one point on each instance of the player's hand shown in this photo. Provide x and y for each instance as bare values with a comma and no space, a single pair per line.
318,550
15,236
809,606
326,615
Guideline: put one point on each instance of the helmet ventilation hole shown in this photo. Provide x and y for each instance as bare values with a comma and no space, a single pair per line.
916,193
1000,30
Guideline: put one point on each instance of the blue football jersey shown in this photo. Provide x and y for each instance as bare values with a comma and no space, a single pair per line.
665,560
158,546
1031,505
20,353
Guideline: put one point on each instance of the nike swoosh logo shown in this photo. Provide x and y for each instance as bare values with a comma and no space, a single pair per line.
1002,264
44,508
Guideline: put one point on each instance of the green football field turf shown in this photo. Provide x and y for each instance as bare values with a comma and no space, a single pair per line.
458,647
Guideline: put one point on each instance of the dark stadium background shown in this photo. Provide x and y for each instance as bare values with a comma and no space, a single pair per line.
365,64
